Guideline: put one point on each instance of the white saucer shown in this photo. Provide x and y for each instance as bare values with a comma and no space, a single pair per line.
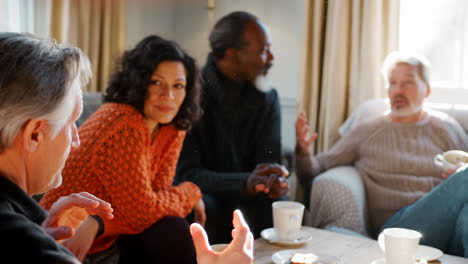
270,236
428,253
284,256
382,261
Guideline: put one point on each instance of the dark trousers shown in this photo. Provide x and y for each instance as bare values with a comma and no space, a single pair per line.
166,241
257,212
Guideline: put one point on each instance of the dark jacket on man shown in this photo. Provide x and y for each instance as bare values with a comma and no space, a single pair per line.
22,239
239,129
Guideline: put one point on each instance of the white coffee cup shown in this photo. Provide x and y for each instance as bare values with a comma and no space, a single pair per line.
287,219
450,160
399,245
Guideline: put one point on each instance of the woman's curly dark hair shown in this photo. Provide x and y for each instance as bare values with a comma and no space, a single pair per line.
129,83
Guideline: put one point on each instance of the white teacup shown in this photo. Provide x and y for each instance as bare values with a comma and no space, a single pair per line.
287,219
450,160
399,245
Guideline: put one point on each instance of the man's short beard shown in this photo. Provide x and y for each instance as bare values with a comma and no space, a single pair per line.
407,111
262,83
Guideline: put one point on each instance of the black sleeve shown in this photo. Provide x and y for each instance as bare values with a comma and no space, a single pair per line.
232,184
190,168
22,241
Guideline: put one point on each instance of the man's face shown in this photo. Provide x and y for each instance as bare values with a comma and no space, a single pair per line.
406,90
52,153
255,59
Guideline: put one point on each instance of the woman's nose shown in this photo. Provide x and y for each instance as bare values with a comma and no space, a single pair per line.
167,91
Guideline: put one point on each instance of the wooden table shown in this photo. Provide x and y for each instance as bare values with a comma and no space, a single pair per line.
349,249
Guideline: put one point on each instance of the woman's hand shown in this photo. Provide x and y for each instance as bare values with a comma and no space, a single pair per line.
304,138
200,215
239,251
68,212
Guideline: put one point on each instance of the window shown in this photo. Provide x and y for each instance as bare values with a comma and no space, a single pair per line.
439,30
17,15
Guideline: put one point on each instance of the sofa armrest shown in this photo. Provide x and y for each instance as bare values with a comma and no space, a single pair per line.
338,199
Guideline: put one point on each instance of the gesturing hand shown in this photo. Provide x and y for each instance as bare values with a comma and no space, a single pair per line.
265,177
239,251
68,212
304,138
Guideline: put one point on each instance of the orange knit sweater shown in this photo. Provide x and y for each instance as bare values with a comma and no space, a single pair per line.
118,163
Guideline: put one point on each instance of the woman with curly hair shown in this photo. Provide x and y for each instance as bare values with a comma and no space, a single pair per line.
128,155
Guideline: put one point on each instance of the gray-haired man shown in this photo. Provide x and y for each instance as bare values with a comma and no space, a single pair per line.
394,155
40,100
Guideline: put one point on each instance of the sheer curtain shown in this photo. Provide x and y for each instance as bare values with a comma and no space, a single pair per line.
17,15
345,46
95,26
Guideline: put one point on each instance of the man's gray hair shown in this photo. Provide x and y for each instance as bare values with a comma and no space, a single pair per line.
414,59
37,81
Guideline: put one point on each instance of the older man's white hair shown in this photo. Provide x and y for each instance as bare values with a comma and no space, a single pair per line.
415,59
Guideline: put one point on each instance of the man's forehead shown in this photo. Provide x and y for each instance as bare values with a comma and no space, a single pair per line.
407,69
256,32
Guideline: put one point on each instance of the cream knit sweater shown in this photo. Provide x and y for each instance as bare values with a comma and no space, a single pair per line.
394,159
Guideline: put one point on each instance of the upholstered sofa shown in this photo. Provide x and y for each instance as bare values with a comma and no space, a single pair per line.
337,196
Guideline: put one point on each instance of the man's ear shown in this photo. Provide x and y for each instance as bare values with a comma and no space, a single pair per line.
33,134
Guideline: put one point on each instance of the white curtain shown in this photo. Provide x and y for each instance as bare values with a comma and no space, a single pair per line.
95,26
17,15
346,43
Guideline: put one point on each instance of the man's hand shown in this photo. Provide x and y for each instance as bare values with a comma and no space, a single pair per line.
449,172
68,212
304,138
200,215
239,251
84,236
278,188
265,177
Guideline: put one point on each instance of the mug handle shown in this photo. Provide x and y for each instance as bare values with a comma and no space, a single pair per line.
438,160
381,241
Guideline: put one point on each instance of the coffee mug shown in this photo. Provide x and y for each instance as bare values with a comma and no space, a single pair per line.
287,219
399,245
450,160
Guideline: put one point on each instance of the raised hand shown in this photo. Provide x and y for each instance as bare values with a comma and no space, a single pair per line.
239,251
304,137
